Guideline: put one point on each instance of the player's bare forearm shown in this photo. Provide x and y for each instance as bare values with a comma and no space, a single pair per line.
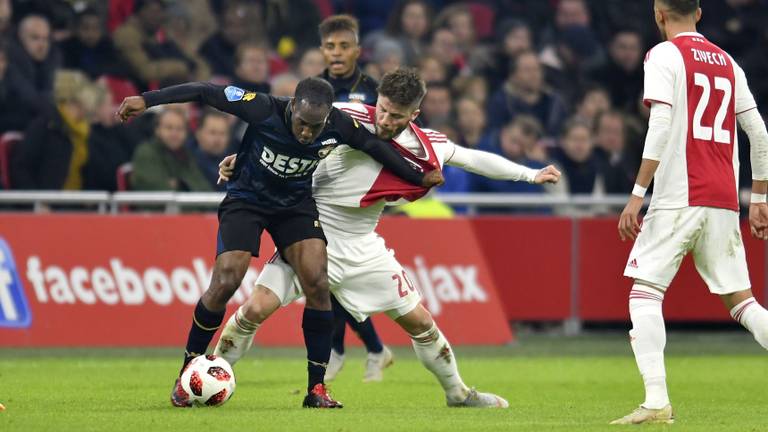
646,172
760,187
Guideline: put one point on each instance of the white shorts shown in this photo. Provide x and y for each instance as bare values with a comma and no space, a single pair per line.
364,277
712,234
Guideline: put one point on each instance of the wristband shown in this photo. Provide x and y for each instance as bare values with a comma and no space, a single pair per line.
758,198
639,191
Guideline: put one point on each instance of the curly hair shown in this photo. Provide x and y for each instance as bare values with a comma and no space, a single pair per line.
403,86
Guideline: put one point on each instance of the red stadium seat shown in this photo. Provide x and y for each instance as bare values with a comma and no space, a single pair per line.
123,176
483,16
7,141
324,7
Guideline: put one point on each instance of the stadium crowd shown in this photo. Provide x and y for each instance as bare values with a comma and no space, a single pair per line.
537,81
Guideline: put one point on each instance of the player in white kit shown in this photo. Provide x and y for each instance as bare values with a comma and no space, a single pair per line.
351,191
697,93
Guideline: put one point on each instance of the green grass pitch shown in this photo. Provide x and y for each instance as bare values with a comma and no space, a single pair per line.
718,382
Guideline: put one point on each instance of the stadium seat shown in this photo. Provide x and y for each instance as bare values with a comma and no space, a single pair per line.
7,141
123,176
483,16
324,7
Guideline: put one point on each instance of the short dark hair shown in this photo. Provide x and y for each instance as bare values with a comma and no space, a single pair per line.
528,125
315,91
682,7
337,23
403,86
249,45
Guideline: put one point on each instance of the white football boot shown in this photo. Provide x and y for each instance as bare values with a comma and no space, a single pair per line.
234,342
643,415
376,363
335,363
477,399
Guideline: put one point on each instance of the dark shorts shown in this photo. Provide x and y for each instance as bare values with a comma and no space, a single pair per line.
241,224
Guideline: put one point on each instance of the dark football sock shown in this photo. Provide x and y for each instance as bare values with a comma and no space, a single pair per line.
204,326
317,326
364,330
339,326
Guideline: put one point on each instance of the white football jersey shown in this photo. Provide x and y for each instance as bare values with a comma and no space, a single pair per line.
351,189
706,90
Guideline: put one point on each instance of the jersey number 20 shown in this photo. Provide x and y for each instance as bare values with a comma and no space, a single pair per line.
705,132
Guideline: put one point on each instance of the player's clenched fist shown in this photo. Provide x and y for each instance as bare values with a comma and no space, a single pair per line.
131,107
548,174
433,178
226,168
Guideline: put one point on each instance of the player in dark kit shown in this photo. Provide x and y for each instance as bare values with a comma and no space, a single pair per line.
272,189
339,43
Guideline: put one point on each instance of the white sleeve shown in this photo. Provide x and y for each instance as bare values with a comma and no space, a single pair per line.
754,126
489,165
659,81
659,125
744,100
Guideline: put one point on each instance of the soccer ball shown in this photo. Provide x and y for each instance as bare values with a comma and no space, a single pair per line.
208,380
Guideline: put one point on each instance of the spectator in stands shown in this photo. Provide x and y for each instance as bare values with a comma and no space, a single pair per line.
593,101
32,64
14,116
576,157
219,49
470,119
512,141
290,25
252,67
212,144
153,61
457,18
444,47
311,63
163,163
437,106
616,164
524,93
284,84
387,56
110,145
513,37
473,87
6,24
622,74
55,145
735,25
90,50
409,23
432,70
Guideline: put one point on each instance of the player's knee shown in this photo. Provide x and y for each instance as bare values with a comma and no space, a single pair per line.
315,284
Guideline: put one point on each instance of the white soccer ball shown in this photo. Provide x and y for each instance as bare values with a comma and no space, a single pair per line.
208,380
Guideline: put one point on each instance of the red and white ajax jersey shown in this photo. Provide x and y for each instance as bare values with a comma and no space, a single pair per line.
706,90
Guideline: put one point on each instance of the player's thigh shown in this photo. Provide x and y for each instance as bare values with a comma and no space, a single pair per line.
719,253
278,276
665,238
380,286
240,227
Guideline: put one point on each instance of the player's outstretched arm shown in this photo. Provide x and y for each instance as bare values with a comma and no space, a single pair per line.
496,167
753,125
249,106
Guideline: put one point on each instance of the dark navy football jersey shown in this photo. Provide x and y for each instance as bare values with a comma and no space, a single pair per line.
274,169
357,88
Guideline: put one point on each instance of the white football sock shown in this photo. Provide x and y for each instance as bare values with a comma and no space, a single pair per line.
754,317
648,338
245,326
436,354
